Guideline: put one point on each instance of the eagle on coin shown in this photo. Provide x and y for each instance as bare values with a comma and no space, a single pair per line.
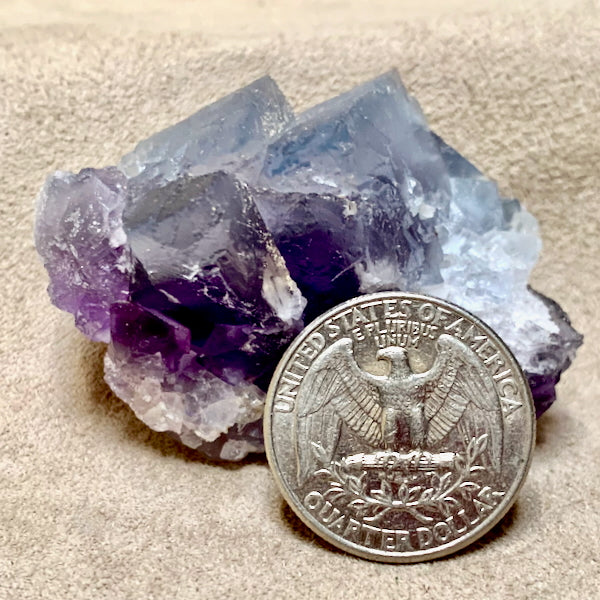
401,411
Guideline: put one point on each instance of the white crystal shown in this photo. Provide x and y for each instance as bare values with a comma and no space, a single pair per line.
199,410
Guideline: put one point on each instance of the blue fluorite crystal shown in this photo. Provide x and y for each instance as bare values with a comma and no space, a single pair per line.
209,262
374,132
361,178
230,135
216,240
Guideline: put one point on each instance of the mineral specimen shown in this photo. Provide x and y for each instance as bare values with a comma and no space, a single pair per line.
367,180
203,254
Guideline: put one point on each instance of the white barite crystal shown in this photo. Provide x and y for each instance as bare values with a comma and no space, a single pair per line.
280,290
198,408
490,246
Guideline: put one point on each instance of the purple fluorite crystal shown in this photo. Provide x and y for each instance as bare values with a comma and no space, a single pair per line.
202,256
211,264
152,363
79,234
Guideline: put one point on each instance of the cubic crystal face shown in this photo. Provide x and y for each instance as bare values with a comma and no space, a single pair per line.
211,264
79,235
202,256
230,135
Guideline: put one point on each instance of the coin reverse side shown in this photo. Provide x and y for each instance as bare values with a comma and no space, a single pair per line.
399,427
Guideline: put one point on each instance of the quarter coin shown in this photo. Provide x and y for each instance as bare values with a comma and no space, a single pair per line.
399,427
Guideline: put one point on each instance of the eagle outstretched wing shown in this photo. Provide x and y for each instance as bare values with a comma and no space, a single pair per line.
460,393
335,391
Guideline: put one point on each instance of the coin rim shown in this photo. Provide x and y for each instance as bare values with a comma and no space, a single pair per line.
338,541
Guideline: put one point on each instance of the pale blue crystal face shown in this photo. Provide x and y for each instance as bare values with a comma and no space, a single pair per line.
490,244
369,150
217,239
230,135
374,131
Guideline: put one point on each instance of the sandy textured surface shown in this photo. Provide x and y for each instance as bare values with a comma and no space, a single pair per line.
94,505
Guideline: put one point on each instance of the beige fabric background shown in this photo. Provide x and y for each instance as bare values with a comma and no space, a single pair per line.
94,505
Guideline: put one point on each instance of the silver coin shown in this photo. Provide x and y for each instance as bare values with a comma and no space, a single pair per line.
399,427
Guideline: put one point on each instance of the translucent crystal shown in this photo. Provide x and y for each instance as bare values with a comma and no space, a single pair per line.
210,263
490,245
230,134
152,366
367,179
374,132
79,235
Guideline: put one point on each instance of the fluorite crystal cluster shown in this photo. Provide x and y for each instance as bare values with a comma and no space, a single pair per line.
205,251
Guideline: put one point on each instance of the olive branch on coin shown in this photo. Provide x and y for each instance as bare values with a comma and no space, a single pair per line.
432,492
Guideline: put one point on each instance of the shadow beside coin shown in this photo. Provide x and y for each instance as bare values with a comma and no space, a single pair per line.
492,536
556,424
305,533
